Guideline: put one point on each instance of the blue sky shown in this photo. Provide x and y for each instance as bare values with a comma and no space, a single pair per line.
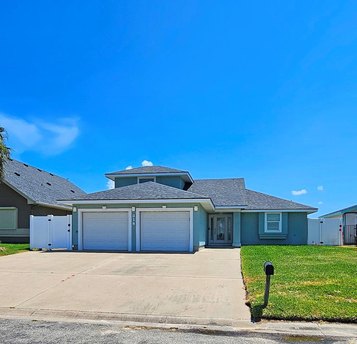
254,89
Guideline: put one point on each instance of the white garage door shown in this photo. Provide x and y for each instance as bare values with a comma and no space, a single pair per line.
165,231
105,231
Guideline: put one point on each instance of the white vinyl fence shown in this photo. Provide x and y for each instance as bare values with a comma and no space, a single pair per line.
324,232
51,232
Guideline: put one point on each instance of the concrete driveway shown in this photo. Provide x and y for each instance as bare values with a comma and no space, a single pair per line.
201,288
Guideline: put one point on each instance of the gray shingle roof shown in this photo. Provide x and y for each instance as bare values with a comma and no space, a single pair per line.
258,201
148,170
143,191
223,192
232,192
38,185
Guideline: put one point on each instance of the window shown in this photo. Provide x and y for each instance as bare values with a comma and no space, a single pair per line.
8,218
146,179
273,222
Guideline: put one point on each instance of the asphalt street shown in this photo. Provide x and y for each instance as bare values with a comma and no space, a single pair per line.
31,331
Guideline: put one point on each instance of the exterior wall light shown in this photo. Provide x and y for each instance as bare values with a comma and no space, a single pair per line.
132,208
164,206
74,209
195,208
104,207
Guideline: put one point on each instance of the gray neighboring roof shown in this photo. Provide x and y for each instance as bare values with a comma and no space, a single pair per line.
352,208
223,192
142,191
147,170
259,201
37,185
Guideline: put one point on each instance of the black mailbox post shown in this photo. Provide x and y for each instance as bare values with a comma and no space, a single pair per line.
269,271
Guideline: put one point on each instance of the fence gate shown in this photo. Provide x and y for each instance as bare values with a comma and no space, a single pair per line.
50,232
324,232
350,234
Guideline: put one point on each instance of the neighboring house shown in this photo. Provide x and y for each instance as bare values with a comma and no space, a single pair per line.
163,209
348,219
27,190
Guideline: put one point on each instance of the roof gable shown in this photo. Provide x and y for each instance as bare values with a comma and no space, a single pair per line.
37,185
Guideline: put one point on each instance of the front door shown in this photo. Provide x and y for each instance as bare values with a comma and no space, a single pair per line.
220,230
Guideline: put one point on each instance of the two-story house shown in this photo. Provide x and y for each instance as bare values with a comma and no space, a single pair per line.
157,208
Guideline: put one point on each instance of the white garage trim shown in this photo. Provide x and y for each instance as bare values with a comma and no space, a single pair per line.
138,223
205,202
117,210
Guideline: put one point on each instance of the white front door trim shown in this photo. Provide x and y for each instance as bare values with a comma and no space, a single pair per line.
138,223
117,210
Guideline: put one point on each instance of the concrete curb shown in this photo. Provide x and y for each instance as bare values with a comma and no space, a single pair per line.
123,317
206,326
318,329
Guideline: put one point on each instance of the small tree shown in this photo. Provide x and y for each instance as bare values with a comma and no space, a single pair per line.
4,152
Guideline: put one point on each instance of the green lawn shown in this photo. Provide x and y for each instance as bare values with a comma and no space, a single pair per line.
6,249
310,282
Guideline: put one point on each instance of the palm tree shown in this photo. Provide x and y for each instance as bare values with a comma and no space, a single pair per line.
4,152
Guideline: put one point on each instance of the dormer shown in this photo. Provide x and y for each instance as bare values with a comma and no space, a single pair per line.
158,174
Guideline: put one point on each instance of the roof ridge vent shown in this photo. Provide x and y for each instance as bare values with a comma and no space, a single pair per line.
26,165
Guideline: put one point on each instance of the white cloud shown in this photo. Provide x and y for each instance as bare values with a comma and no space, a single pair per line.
320,202
44,137
129,167
320,188
21,134
147,163
110,184
299,192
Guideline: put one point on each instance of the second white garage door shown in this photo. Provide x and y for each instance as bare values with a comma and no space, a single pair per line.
105,231
165,231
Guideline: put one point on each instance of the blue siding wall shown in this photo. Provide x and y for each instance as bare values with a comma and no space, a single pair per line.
294,230
174,181
236,230
125,181
74,229
200,226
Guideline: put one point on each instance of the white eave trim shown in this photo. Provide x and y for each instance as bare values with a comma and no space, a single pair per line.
229,207
204,201
62,207
243,210
309,211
